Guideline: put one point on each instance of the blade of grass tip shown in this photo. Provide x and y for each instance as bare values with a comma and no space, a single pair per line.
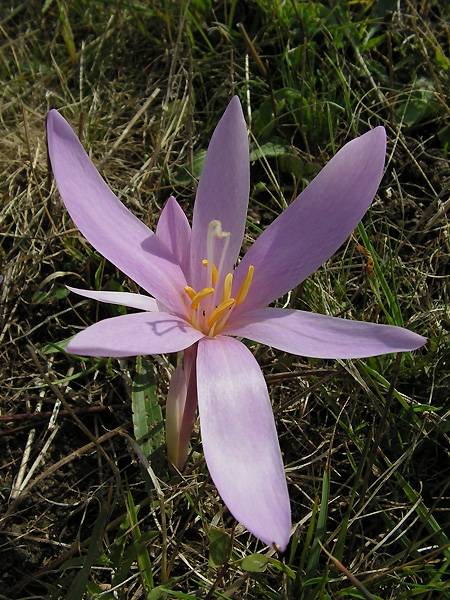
143,557
147,414
394,314
231,13
401,398
313,561
67,31
309,537
79,584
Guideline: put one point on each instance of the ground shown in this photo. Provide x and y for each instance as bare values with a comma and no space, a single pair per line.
84,514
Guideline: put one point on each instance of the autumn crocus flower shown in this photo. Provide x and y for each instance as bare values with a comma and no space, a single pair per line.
200,299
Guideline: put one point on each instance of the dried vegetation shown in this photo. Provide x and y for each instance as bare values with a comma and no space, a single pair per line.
84,513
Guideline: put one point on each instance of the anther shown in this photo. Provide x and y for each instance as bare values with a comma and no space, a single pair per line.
227,286
199,297
243,291
214,271
190,291
219,311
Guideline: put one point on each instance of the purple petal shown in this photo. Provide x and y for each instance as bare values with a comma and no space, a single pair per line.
105,222
123,298
181,406
240,440
174,231
321,336
223,190
135,335
313,227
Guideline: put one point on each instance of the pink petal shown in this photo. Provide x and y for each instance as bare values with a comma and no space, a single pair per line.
180,409
240,440
223,190
123,298
105,222
313,227
174,231
134,335
321,336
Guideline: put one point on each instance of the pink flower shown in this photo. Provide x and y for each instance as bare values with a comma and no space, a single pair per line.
201,300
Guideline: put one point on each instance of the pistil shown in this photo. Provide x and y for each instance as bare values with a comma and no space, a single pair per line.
209,312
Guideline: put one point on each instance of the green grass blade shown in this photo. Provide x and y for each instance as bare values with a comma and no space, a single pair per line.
78,587
143,557
313,560
392,312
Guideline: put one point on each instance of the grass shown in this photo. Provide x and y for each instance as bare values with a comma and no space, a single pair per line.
88,512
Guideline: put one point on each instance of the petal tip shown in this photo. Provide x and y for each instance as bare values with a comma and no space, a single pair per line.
418,341
52,114
71,347
54,117
380,132
58,127
378,136
234,108
283,537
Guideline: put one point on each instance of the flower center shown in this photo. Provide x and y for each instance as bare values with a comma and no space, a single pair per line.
211,306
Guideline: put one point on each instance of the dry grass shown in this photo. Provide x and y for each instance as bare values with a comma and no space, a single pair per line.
365,443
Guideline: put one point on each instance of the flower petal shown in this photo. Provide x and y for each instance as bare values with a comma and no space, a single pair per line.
135,335
321,336
313,227
123,298
105,222
240,440
223,190
180,409
174,231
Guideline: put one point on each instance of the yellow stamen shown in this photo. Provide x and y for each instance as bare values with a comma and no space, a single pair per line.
218,312
200,295
243,291
227,285
214,271
194,321
190,291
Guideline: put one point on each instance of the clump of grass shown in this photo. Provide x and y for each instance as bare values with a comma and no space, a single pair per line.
87,511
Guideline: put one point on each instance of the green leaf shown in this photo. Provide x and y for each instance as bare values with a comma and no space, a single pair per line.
219,546
420,104
441,59
147,414
55,347
268,150
162,591
255,563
